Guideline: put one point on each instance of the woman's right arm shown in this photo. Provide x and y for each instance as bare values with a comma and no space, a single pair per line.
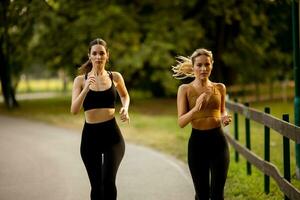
78,95
185,116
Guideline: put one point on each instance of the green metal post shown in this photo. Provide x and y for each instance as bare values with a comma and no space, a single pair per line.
286,156
267,153
236,132
296,57
248,142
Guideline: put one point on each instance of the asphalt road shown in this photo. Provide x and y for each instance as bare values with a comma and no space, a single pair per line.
42,162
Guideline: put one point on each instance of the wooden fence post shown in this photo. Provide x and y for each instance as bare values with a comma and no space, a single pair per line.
286,156
236,132
248,139
267,153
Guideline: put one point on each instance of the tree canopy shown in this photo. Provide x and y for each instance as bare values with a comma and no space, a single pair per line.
250,40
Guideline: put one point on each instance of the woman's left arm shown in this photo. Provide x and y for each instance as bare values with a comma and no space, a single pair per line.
124,96
225,118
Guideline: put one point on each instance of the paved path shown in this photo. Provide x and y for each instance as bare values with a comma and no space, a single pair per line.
39,161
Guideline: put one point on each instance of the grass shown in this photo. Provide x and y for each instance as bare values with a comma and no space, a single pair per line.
154,123
255,181
42,85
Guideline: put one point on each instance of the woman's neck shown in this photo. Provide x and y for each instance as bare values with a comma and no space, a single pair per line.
202,82
98,70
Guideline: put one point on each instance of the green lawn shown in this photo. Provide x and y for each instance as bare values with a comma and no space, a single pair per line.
42,85
154,123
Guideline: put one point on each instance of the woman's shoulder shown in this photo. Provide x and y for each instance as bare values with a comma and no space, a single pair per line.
79,78
184,87
78,81
220,86
116,75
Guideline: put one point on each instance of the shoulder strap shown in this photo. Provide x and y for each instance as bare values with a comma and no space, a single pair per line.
85,76
216,90
110,75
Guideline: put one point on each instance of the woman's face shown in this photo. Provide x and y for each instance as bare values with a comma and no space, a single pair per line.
202,67
98,55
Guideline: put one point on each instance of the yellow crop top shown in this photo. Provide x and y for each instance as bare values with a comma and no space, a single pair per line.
213,107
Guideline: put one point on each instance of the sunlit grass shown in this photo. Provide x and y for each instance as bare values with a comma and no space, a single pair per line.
42,85
257,146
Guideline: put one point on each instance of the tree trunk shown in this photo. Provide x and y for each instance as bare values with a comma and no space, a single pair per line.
6,84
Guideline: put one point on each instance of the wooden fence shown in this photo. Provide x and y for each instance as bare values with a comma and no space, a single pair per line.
283,127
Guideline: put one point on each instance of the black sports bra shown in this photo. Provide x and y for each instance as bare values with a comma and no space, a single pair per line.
100,99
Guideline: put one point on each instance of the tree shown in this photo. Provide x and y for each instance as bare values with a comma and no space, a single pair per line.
6,82
17,26
145,36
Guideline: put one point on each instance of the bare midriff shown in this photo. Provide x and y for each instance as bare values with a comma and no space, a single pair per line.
206,123
99,115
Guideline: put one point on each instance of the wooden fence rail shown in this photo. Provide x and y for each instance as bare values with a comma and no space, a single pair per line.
284,128
287,130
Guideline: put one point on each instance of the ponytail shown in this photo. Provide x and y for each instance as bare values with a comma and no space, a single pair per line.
184,68
85,67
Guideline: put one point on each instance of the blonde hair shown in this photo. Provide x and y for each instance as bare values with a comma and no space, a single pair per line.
184,67
87,66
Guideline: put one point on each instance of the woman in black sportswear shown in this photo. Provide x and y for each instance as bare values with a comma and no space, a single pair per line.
102,145
202,104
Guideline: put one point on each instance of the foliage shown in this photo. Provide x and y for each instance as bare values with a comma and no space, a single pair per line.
248,38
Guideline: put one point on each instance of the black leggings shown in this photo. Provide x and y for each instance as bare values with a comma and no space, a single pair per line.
102,149
208,159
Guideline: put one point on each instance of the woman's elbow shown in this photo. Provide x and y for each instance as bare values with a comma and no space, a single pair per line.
126,97
181,125
74,111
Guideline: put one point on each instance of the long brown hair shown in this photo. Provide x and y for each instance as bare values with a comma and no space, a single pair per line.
87,66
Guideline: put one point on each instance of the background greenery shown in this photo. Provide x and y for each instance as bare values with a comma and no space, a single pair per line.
251,40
